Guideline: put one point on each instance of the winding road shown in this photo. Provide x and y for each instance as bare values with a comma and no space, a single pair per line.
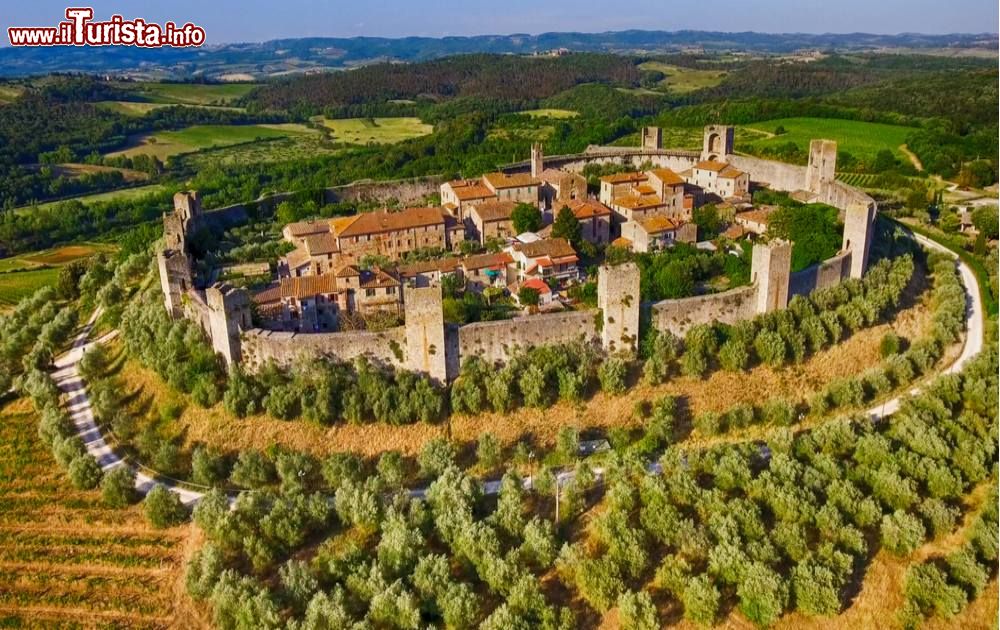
68,379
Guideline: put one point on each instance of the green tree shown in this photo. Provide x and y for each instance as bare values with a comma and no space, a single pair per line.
701,601
84,472
528,296
118,487
164,508
567,226
637,612
526,218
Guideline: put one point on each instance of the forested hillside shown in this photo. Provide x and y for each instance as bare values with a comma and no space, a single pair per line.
482,76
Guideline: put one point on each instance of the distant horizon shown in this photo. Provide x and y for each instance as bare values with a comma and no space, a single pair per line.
239,22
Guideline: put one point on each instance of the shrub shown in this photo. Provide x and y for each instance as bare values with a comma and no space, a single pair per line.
816,589
253,470
763,595
436,455
770,347
164,508
701,601
118,486
709,423
84,472
902,533
637,612
929,592
779,413
734,356
612,374
889,345
208,467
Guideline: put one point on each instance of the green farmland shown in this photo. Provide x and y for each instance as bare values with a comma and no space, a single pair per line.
861,139
164,144
684,80
23,275
375,130
189,93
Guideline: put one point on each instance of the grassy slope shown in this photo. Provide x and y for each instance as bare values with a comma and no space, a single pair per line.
862,139
164,144
23,275
383,131
190,93
684,79
123,193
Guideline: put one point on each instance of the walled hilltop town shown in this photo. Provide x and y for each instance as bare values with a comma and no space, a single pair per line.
323,279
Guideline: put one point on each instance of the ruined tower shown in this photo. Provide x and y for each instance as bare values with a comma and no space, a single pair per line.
618,298
652,138
425,333
859,222
822,167
537,160
717,142
175,279
770,270
173,262
228,316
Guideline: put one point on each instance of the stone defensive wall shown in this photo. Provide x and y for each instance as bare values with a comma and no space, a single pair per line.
498,341
680,315
426,344
285,348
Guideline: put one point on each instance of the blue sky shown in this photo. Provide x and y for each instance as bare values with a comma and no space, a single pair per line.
232,21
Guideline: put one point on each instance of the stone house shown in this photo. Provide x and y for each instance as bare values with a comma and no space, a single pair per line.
594,218
458,194
516,187
720,179
392,234
429,272
491,219
755,221
551,259
657,232
486,270
545,294
560,187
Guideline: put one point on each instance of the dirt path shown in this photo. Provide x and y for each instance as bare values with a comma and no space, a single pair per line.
917,164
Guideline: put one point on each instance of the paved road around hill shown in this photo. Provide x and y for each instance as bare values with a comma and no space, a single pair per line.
68,380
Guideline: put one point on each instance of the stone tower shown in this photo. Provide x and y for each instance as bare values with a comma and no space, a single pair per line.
425,333
175,279
859,222
652,138
228,316
717,142
618,298
537,160
187,205
770,270
822,167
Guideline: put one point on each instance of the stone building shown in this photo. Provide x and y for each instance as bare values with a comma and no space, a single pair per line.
594,218
657,232
755,221
720,179
491,220
551,259
459,194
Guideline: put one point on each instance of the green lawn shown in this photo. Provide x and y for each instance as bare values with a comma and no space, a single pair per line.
23,275
861,139
190,93
164,144
551,113
375,131
680,79
124,193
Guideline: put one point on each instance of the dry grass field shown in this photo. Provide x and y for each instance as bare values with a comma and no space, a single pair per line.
67,560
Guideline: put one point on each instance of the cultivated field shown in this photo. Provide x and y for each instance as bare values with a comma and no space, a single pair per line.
9,92
681,79
74,170
66,560
294,147
375,130
550,113
189,93
23,275
123,193
861,139
164,144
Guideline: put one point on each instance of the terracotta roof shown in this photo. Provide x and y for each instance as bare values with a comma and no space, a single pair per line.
383,221
298,288
486,261
551,247
762,215
517,180
470,189
340,224
537,284
305,228
624,178
320,244
621,241
734,232
348,271
638,202
657,224
494,210
588,208
440,264
296,258
645,189
730,172
667,176
377,278
710,165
